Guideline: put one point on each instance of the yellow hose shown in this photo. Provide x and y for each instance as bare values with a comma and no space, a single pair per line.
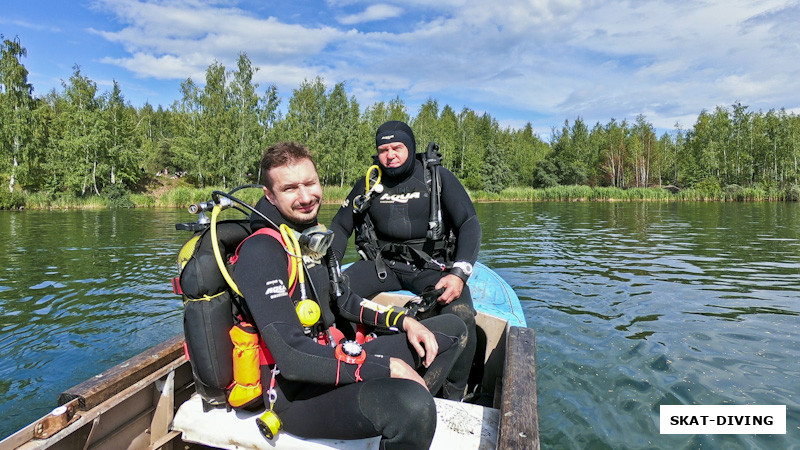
286,232
369,172
217,253
295,255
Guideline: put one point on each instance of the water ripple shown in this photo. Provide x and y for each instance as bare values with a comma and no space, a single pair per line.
638,305
634,305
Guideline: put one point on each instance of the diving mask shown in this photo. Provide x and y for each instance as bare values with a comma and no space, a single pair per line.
316,239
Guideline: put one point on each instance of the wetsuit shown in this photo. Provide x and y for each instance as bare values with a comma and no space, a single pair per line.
310,403
400,215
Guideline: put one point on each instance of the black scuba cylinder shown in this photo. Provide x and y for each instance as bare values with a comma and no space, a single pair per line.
209,311
433,159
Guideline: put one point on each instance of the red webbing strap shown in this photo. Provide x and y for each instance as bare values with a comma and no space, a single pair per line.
264,355
176,285
275,234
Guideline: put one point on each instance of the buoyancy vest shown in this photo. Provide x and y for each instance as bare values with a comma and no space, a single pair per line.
224,350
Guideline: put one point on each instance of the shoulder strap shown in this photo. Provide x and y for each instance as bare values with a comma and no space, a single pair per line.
277,235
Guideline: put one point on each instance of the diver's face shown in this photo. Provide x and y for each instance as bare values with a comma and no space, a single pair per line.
295,191
393,154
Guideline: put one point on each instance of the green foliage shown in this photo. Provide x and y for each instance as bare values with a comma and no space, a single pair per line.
11,200
118,196
574,193
709,188
84,146
142,200
495,173
793,193
180,197
15,113
545,174
335,194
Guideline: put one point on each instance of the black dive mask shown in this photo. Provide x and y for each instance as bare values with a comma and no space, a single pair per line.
316,239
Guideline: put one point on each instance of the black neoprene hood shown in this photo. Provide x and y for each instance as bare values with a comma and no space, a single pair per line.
396,131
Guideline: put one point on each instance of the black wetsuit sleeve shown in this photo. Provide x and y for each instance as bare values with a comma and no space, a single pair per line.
262,277
458,209
344,221
355,309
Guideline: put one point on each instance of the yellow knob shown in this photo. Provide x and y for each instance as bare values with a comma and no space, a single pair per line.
269,424
308,312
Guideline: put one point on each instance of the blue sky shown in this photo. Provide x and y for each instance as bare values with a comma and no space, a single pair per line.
538,61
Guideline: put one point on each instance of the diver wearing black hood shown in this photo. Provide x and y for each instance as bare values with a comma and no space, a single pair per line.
399,217
396,131
320,392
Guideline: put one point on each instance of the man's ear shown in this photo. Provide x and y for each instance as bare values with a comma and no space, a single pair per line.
269,195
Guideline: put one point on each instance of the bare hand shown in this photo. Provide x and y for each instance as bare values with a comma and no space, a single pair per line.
421,339
399,369
453,286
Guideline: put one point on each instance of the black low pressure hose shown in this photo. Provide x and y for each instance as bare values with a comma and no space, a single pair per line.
245,204
335,271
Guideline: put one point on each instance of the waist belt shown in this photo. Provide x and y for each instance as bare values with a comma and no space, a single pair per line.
408,252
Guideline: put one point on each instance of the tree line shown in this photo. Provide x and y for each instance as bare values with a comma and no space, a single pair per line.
80,141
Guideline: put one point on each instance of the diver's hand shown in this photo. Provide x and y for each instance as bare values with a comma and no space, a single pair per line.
421,339
453,287
399,369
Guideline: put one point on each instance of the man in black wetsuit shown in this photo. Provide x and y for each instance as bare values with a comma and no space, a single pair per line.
320,393
406,258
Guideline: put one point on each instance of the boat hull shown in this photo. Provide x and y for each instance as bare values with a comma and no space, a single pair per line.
133,405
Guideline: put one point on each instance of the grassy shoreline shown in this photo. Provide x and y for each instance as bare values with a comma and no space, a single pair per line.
183,195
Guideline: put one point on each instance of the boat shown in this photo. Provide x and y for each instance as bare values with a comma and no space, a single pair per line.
143,402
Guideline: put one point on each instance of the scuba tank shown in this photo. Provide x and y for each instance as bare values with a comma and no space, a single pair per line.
431,159
213,307
209,311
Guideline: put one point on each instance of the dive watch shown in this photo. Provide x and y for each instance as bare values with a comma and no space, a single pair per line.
462,269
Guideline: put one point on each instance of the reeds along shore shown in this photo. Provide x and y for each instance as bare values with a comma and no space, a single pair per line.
185,195
589,193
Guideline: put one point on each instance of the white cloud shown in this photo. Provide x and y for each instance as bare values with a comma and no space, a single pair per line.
561,59
163,67
181,39
372,13
30,25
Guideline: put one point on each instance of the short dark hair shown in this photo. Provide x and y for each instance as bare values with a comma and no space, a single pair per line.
282,154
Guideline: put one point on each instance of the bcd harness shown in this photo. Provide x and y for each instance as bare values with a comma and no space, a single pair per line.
439,242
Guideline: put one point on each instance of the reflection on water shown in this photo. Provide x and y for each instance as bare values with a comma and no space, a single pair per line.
641,304
634,305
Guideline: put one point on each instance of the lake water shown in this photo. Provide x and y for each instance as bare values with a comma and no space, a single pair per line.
634,305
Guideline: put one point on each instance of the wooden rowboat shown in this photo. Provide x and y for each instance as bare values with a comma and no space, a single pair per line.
149,402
